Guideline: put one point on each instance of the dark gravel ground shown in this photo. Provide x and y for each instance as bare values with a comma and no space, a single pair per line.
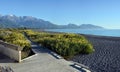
106,57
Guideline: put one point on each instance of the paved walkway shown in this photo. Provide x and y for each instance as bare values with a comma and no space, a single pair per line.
43,61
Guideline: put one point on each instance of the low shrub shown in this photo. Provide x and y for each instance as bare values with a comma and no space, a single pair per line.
16,37
64,44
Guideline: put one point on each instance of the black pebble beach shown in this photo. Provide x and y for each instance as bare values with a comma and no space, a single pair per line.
106,57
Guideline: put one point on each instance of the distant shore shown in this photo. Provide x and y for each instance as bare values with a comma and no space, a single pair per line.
106,57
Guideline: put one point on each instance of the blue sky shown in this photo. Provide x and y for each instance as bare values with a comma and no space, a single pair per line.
104,13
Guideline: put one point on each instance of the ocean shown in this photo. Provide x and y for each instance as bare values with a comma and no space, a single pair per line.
100,32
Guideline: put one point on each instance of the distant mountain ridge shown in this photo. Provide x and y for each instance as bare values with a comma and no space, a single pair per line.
90,26
12,21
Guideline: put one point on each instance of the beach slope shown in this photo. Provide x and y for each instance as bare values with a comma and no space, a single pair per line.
106,57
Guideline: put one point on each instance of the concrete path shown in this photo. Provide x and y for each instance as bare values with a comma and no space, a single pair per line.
43,61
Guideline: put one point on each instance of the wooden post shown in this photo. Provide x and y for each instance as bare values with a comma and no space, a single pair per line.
19,56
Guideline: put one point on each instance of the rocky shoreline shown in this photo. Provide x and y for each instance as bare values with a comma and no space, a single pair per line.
106,57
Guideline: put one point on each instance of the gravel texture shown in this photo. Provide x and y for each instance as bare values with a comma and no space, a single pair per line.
106,57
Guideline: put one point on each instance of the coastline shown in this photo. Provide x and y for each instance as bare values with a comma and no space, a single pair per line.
106,56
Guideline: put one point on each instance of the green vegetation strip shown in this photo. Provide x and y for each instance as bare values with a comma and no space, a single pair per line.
15,36
64,44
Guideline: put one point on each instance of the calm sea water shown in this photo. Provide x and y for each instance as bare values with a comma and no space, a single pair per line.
105,32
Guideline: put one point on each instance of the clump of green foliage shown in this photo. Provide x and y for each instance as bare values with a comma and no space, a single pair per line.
64,44
14,36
